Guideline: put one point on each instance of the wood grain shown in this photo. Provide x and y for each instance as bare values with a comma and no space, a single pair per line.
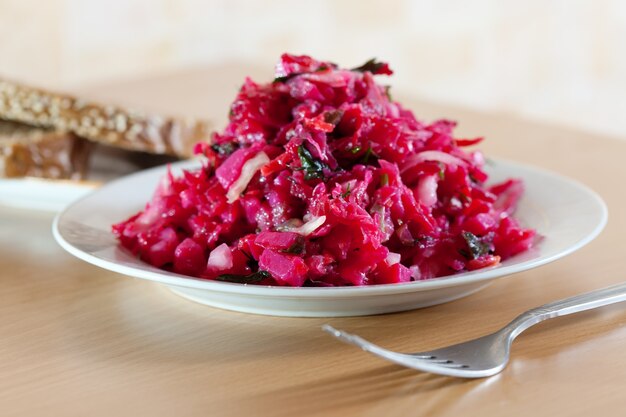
76,340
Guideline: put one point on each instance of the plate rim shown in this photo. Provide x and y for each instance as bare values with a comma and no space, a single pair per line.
178,280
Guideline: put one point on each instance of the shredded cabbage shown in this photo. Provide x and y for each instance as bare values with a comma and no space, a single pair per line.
321,179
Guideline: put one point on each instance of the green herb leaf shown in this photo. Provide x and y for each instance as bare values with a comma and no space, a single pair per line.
312,167
475,245
354,150
442,171
244,279
289,225
225,148
346,193
295,74
368,154
285,78
384,179
297,247
321,68
333,117
251,262
372,66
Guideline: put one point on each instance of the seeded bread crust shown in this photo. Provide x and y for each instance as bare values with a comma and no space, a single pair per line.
107,124
27,151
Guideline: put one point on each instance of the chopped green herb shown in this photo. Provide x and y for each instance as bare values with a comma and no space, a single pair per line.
313,168
355,150
297,247
368,154
251,262
372,66
244,279
295,74
384,179
321,68
249,256
333,117
289,225
346,193
284,78
475,245
442,171
225,148
423,241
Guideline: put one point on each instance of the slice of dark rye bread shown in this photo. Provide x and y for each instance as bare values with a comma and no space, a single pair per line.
107,124
27,151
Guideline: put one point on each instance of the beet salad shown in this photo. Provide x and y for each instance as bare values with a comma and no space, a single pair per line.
321,179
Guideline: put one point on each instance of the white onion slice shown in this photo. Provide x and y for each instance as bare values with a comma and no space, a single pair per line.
221,258
310,226
416,274
437,156
392,258
427,190
250,167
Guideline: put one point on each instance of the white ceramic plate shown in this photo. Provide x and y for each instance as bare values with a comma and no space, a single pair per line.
106,164
42,194
566,213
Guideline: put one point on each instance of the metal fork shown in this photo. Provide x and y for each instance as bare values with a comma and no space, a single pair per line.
489,354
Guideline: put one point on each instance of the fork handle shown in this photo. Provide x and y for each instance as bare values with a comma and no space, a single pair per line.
582,302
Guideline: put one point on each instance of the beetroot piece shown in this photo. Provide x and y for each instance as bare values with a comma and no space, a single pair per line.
285,269
321,179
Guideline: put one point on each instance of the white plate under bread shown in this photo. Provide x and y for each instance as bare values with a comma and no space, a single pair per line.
42,194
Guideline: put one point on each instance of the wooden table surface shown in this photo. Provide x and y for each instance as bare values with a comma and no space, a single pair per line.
76,340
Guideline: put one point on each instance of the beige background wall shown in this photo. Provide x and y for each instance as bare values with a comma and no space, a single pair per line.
561,61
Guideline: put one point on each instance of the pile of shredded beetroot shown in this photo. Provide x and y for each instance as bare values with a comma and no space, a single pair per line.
321,179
